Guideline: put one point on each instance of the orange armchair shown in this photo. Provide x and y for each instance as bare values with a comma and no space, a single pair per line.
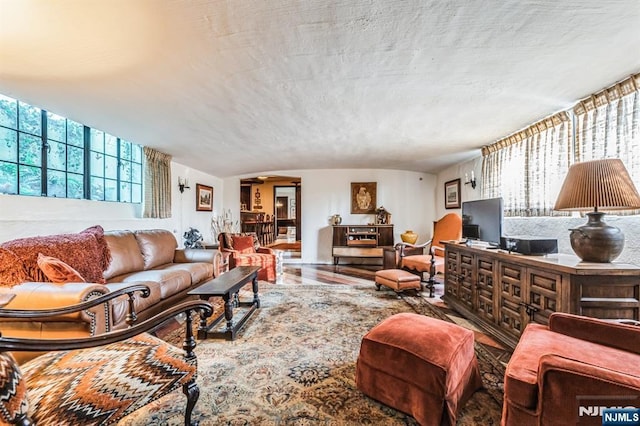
565,372
244,250
449,227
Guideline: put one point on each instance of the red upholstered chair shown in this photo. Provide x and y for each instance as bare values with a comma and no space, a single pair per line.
244,250
561,374
449,227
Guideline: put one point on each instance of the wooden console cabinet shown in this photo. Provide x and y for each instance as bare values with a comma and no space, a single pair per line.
363,241
504,292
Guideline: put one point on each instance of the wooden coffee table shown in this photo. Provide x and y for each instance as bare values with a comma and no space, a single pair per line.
227,286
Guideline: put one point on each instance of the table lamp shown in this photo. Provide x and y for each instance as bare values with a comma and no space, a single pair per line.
604,184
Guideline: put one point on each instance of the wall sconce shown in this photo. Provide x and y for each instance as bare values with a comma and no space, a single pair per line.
183,184
471,181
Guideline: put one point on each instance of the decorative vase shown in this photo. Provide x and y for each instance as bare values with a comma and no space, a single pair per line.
409,236
336,219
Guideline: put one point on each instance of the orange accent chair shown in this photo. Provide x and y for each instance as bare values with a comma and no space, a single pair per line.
411,257
564,373
244,250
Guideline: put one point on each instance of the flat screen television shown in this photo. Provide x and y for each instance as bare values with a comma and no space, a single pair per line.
482,220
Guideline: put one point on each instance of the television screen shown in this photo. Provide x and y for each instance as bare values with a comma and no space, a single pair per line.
482,220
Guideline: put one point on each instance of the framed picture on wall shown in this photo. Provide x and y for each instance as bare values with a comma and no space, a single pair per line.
452,194
204,198
363,197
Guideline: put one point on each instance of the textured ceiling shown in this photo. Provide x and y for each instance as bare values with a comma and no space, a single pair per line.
248,86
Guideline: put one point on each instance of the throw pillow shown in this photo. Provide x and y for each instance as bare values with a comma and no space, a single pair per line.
13,389
57,271
12,270
243,244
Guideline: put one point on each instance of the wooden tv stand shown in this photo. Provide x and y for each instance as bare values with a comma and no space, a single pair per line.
504,292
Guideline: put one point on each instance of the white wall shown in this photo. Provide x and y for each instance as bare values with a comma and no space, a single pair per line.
22,216
546,227
409,196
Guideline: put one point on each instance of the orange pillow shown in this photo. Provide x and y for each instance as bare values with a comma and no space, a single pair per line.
244,244
57,271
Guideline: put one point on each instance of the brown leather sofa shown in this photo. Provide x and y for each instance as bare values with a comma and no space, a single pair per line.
150,257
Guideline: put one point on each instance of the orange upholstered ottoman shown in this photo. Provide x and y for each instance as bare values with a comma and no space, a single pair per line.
397,279
421,366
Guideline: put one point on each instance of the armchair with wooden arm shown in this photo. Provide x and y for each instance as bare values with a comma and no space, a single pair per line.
97,379
411,257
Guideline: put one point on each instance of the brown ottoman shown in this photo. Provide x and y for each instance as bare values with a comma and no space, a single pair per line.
421,366
398,280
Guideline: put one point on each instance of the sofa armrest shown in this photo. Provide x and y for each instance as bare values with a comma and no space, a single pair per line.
612,334
265,250
194,255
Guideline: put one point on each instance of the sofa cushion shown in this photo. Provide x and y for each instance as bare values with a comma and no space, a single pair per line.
125,253
158,247
199,271
57,271
11,269
168,281
120,306
86,252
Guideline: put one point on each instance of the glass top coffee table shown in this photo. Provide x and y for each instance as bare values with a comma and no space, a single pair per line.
227,286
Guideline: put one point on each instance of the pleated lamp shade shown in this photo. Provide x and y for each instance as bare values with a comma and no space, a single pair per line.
591,185
603,184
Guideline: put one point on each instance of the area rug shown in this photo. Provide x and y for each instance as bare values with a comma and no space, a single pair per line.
294,364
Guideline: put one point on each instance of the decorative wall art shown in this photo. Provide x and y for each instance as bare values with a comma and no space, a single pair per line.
204,198
363,197
452,194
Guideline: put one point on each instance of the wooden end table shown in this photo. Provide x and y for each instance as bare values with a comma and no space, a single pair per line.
227,286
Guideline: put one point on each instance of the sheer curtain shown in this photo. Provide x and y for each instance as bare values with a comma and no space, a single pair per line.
527,169
157,184
608,126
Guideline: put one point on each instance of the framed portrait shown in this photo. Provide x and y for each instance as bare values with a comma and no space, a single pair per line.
363,197
452,194
204,198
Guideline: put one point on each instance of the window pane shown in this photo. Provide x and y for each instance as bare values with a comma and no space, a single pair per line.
125,192
110,190
125,150
97,188
30,119
30,180
125,171
56,184
96,138
30,150
75,133
110,145
75,159
57,156
8,178
110,167
8,145
97,164
75,186
136,193
8,112
136,173
136,153
56,127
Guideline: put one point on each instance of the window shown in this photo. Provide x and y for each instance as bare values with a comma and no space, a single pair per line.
528,168
44,154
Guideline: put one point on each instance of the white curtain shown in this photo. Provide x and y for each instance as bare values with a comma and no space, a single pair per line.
527,168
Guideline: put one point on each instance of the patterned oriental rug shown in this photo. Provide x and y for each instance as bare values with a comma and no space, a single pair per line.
294,363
